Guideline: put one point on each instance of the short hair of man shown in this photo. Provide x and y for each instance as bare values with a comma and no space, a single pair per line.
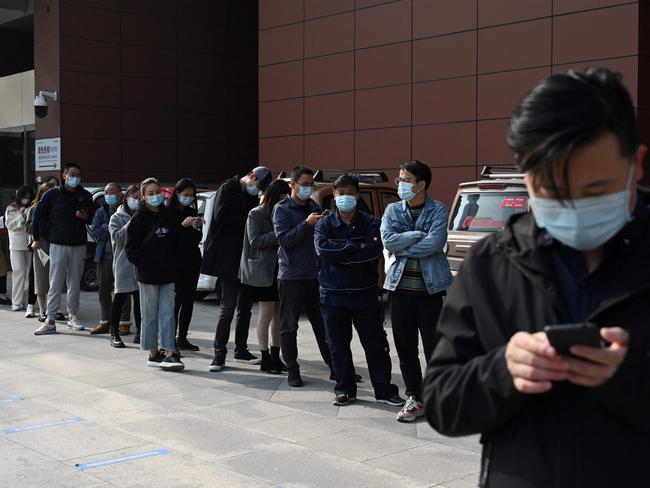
298,171
71,164
420,170
346,179
564,113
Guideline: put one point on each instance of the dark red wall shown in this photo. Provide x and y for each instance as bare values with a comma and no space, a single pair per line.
164,88
370,83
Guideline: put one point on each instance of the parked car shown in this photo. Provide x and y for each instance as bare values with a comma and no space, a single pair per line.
482,207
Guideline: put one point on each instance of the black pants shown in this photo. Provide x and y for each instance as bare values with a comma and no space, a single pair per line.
31,297
294,295
231,298
410,314
117,305
184,303
367,321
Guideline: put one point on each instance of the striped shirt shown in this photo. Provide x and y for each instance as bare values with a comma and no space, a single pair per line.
412,282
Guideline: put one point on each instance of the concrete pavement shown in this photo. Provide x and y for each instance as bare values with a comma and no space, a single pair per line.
76,413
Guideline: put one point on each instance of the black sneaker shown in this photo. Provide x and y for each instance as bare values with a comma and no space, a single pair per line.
172,363
394,400
42,317
184,344
136,337
357,377
294,378
116,341
60,317
218,363
343,399
246,357
155,360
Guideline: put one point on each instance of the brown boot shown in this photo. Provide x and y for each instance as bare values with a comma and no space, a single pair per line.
102,328
125,328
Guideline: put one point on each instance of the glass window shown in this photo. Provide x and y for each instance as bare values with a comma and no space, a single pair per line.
487,212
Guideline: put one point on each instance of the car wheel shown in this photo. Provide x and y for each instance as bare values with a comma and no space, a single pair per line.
89,277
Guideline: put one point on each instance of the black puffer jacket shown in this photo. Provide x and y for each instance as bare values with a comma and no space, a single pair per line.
55,216
189,239
571,437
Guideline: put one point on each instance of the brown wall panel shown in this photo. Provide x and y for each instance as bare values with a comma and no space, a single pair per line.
150,158
499,93
628,67
100,4
644,81
444,101
97,157
200,37
514,46
383,107
141,93
280,44
161,8
384,24
444,57
445,144
322,8
382,148
278,12
444,182
329,113
281,81
91,89
144,30
89,23
199,97
281,118
491,143
148,125
435,17
567,6
329,74
281,153
326,151
90,56
581,36
204,67
149,62
329,35
90,122
381,66
494,12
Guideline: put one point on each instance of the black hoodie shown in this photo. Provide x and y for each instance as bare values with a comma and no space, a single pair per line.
152,245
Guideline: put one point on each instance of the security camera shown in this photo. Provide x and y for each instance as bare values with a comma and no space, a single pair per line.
40,103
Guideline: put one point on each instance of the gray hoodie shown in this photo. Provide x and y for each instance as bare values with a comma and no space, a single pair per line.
123,270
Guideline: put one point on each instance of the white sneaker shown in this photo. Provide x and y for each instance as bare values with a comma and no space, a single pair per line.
47,328
73,324
29,314
16,308
411,410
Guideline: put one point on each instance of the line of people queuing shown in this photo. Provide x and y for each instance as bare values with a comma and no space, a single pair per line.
269,243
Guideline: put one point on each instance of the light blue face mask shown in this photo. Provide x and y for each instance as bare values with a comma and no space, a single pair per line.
584,224
133,203
185,200
73,181
405,190
110,199
305,192
252,190
155,200
346,203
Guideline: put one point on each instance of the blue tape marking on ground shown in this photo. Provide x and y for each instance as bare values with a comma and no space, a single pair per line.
122,459
11,399
55,423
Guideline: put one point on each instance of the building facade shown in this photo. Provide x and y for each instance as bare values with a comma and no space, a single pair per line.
369,84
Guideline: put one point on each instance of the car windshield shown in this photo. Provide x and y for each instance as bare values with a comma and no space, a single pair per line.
487,212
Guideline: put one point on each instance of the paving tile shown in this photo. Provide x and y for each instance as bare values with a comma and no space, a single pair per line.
425,432
246,412
432,463
470,481
300,427
297,467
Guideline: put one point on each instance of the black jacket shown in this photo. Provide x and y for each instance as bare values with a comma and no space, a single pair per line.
189,254
152,245
224,243
54,218
573,436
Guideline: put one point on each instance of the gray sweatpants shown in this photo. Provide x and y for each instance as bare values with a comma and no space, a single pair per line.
65,261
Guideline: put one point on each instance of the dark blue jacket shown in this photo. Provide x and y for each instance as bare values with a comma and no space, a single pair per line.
347,259
296,255
99,230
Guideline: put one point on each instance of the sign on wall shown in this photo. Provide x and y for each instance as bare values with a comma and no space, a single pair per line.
48,154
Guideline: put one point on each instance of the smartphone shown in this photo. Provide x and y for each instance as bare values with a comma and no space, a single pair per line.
562,337
326,213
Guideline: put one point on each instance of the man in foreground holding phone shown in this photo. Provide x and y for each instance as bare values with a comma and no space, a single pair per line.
583,255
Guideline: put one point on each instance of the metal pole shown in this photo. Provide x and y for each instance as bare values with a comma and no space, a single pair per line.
25,158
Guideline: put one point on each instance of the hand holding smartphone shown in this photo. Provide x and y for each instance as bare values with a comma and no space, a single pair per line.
562,337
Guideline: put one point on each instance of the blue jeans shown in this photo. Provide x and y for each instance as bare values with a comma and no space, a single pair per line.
157,302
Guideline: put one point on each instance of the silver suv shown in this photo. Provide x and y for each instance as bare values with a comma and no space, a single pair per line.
482,207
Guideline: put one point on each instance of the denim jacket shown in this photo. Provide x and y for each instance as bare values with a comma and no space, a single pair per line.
424,239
